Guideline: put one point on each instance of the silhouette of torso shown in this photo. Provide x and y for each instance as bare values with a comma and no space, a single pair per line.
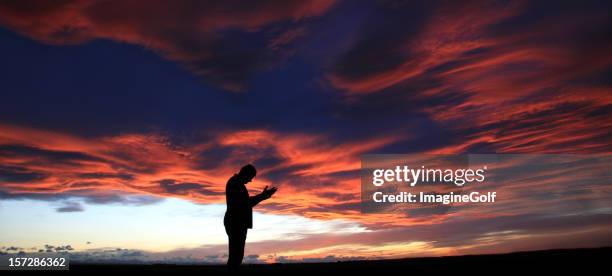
239,213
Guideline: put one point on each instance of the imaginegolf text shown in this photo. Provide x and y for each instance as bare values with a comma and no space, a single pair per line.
473,197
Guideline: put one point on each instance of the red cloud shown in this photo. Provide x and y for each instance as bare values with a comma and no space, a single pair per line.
67,165
517,82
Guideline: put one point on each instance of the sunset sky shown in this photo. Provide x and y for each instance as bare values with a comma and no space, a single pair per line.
121,121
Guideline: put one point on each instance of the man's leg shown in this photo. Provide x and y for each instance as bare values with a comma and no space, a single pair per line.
237,239
239,249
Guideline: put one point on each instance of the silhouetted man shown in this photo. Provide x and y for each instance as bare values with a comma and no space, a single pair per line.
239,215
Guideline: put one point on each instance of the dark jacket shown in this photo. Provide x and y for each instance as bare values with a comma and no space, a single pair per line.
239,213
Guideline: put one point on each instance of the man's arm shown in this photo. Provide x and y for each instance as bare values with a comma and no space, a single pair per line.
265,194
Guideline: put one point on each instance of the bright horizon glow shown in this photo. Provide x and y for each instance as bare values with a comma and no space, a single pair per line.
167,225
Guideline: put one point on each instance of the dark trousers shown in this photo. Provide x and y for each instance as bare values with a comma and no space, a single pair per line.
237,238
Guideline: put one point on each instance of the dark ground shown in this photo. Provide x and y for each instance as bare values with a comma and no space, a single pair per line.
591,261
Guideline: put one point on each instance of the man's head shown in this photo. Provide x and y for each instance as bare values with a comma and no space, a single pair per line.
247,173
